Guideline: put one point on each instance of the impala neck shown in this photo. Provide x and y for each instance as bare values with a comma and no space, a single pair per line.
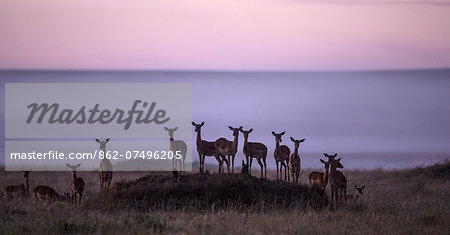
235,142
325,175
74,176
277,145
199,137
296,152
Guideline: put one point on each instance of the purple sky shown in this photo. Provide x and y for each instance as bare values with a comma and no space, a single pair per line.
225,34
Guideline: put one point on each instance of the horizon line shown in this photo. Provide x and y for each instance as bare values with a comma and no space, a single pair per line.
222,70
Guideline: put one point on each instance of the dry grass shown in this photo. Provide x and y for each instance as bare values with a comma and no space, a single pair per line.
412,201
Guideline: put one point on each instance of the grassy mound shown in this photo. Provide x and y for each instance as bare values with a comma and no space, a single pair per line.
436,171
206,192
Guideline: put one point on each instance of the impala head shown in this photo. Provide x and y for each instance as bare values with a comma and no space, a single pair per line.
278,136
246,133
330,157
198,127
171,131
73,168
297,142
325,164
360,190
26,173
102,143
336,163
235,130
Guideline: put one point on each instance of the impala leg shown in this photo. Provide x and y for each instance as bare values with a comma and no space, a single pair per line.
109,178
200,162
228,163
261,166
250,165
288,171
232,163
277,169
100,178
265,168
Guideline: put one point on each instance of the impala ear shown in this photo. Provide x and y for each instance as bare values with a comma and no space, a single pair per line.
302,140
79,164
363,187
322,161
67,165
165,128
203,123
356,186
176,128
107,140
273,133
326,155
97,140
282,133
338,159
240,128
293,140
335,155
193,123
250,131
231,128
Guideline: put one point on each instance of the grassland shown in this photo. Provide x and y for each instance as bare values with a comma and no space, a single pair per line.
413,201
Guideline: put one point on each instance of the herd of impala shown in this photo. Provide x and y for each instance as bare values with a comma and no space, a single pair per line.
224,151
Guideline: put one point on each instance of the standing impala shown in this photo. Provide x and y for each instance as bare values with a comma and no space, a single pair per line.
16,191
281,155
338,174
255,150
227,149
320,178
177,145
47,194
294,160
77,186
338,182
205,148
106,167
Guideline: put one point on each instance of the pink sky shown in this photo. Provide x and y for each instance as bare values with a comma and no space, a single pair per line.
224,34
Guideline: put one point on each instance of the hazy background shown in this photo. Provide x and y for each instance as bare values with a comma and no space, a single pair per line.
372,119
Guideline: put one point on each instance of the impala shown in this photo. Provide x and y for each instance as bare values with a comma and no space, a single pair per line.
47,194
358,193
294,160
106,167
205,148
343,188
227,149
281,155
319,178
16,191
255,150
77,185
177,145
338,182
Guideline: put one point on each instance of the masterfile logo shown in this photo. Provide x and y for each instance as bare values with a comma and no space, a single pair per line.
86,110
